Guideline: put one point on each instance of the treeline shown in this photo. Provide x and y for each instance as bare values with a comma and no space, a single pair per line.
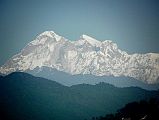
143,110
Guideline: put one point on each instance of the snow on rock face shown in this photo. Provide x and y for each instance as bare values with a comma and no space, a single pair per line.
91,40
84,56
45,37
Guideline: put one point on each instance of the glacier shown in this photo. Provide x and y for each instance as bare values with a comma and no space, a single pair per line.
84,56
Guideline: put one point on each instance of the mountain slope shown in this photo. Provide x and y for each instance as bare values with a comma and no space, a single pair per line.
25,97
143,110
84,56
69,80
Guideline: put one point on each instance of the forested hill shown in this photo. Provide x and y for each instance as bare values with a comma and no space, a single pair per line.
25,97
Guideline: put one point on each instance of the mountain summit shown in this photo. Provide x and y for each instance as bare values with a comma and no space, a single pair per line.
84,56
91,40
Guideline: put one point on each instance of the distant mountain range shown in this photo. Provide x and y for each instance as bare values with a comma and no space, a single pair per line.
69,80
84,56
25,97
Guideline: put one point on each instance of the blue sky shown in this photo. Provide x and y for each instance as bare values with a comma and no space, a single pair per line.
132,24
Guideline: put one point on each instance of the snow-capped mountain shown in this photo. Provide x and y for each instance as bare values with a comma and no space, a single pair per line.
84,56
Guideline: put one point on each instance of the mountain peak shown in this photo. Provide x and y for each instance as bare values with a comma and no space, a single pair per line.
90,40
48,33
45,36
84,36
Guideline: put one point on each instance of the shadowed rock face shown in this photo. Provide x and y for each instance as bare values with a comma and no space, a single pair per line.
84,56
